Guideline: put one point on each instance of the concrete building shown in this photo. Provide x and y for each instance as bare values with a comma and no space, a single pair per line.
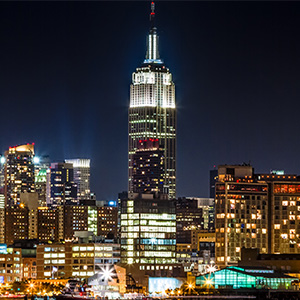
69,260
256,211
16,223
10,264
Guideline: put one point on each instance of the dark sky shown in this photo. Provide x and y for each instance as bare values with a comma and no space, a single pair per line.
65,71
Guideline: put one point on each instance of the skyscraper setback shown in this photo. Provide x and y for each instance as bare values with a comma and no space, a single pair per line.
152,111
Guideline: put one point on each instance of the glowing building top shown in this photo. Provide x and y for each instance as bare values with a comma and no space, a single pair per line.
152,111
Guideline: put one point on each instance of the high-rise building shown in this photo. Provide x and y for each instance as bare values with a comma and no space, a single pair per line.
256,211
19,172
148,234
16,223
213,178
147,167
152,110
63,189
81,177
41,168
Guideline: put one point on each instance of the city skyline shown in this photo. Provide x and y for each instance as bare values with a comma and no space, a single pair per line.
234,65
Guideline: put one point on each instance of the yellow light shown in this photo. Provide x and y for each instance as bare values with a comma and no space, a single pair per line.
208,282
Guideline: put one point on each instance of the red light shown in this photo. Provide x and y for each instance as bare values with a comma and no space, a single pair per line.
152,14
32,143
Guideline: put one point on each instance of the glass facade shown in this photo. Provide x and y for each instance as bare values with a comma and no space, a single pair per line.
19,172
148,232
238,277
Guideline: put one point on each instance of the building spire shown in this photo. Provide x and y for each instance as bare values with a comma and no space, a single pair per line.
152,55
152,16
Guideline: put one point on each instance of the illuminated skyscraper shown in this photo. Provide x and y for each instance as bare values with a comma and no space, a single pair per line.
81,177
19,172
152,111
63,188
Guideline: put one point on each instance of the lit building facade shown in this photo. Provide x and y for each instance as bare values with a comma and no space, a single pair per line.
256,211
148,233
81,260
63,188
107,221
152,110
19,172
41,169
16,223
82,175
10,264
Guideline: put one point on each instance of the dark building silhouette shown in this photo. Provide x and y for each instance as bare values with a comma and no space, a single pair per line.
148,167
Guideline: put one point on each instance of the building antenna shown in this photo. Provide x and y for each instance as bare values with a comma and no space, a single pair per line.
152,15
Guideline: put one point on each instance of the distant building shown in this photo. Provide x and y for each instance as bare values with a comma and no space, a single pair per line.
81,177
41,169
63,188
213,178
19,173
10,264
188,218
152,110
79,260
16,223
107,221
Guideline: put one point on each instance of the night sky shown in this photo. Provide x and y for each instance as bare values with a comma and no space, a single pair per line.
65,72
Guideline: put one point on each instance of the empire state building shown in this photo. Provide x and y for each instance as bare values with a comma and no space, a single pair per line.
152,115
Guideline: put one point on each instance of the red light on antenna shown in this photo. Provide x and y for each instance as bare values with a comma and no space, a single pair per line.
33,144
152,14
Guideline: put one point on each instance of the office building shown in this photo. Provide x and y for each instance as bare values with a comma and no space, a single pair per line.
48,224
81,173
256,211
63,188
10,264
188,218
16,223
147,167
152,110
19,173
80,260
107,221
41,169
241,214
148,235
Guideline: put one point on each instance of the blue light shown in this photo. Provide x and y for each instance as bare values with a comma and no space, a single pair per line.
112,203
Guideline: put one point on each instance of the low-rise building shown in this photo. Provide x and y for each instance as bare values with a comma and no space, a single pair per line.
10,264
80,260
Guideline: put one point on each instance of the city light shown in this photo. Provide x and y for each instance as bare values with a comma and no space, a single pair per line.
107,273
36,160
